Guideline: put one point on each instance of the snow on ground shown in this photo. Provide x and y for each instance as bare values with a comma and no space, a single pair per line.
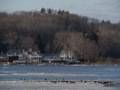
42,85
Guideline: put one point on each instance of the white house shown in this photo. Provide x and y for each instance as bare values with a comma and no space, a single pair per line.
66,55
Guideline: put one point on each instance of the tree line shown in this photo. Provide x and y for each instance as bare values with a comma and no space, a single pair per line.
52,31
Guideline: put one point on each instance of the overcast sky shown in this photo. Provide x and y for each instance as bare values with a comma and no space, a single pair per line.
100,9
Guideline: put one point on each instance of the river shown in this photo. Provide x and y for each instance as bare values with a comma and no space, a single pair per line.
60,72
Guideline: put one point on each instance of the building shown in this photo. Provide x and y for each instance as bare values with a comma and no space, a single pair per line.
50,58
68,57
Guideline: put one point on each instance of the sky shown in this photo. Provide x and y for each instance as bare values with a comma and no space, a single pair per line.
99,9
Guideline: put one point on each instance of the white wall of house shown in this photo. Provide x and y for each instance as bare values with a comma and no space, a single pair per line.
66,54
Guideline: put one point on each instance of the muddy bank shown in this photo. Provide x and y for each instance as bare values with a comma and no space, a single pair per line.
56,85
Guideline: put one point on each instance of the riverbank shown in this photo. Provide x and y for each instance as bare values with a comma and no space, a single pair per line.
54,64
57,85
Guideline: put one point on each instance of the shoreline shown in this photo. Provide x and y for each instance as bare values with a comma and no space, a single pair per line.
103,82
57,85
54,64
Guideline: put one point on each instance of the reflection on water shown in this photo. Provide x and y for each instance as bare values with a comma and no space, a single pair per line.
49,72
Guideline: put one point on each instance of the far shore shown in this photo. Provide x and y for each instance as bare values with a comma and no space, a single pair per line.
82,64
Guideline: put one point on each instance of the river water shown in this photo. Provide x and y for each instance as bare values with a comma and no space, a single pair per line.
60,72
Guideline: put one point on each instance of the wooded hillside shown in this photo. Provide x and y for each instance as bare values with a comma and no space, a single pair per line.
51,31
